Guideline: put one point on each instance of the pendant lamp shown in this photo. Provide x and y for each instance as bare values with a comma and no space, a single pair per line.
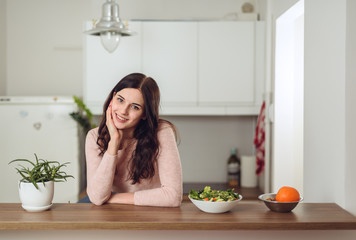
110,28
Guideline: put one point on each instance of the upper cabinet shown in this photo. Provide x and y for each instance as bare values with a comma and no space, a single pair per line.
169,55
231,66
226,63
201,67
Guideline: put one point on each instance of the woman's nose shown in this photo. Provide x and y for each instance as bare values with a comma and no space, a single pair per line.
125,109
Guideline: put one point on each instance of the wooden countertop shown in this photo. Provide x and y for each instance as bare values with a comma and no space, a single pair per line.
248,215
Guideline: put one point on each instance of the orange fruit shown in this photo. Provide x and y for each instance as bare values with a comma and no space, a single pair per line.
287,194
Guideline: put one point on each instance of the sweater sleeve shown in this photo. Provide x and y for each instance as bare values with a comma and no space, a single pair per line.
169,194
100,170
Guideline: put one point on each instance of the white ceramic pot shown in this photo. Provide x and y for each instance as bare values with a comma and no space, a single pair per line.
36,200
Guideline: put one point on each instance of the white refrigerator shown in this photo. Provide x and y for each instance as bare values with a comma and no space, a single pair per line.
40,125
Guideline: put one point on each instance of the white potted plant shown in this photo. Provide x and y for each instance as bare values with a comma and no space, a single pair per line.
36,188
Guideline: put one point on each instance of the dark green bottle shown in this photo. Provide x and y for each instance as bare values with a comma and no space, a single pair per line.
233,169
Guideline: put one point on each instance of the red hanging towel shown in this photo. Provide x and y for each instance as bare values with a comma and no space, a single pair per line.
259,140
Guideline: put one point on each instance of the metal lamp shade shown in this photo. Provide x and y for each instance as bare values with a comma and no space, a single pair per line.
110,23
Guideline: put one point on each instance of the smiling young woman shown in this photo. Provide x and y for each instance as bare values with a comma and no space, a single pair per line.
132,157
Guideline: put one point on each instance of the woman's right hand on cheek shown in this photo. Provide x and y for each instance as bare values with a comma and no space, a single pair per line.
115,134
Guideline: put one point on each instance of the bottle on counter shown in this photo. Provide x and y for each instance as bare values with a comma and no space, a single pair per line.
233,169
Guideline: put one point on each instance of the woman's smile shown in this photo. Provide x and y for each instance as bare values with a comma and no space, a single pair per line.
121,119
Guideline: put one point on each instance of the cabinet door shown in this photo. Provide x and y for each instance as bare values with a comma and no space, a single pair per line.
170,57
226,63
102,70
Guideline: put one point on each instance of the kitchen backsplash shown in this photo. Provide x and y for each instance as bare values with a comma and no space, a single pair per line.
206,142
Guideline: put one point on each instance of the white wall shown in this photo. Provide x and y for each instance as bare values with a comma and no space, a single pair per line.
324,132
2,47
44,47
329,156
350,178
276,8
176,9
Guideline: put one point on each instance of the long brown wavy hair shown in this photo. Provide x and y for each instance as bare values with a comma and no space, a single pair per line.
147,149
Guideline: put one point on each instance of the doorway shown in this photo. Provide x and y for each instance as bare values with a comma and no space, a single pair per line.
287,156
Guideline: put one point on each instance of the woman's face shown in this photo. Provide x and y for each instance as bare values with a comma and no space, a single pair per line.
127,108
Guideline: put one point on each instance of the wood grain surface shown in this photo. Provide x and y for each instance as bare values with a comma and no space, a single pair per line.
248,215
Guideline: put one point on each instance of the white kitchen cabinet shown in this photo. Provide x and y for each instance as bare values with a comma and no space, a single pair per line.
102,70
228,65
201,67
169,54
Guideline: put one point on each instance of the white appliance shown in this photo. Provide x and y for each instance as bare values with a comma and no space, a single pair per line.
40,125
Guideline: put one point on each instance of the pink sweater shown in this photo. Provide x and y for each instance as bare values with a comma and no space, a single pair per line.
109,173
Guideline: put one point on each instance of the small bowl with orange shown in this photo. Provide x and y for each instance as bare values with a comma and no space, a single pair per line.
285,200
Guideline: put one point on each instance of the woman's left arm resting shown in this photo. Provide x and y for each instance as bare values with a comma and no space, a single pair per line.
170,174
123,198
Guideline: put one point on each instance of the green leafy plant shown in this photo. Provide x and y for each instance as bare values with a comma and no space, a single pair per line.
84,116
41,171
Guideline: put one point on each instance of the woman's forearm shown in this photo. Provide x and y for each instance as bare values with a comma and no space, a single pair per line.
159,197
100,178
123,198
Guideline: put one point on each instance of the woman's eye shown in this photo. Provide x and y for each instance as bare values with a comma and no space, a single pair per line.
135,107
120,99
